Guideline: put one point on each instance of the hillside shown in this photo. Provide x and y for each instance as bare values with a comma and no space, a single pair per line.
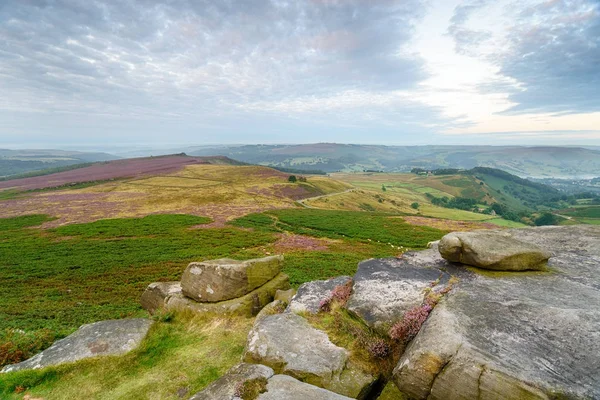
16,162
331,157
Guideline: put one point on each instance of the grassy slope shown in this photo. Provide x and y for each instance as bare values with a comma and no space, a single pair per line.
401,191
181,356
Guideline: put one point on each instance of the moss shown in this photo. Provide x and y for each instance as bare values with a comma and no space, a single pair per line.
510,274
251,389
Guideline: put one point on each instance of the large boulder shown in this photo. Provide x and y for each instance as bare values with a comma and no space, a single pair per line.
515,335
102,338
225,279
385,289
283,387
248,305
288,344
310,294
231,385
495,250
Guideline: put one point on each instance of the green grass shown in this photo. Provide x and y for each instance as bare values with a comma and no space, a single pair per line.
506,223
60,279
342,224
183,355
55,280
587,212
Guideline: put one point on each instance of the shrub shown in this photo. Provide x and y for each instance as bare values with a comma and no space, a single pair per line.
292,178
17,345
415,205
339,295
411,323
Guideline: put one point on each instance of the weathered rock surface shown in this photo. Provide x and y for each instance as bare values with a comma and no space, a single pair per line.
310,294
495,250
288,344
285,295
384,289
225,387
157,294
515,335
102,338
248,305
225,279
283,387
274,307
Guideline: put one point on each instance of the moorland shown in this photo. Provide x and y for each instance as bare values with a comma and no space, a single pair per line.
80,246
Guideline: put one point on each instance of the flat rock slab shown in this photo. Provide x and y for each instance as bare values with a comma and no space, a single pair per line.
283,387
227,386
226,279
248,305
385,289
102,338
288,344
310,294
515,335
494,250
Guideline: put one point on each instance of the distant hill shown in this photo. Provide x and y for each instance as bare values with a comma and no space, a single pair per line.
331,157
110,170
16,162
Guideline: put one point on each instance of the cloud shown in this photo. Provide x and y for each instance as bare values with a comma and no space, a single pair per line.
549,50
148,58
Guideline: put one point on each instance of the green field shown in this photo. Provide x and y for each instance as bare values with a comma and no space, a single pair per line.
54,280
585,212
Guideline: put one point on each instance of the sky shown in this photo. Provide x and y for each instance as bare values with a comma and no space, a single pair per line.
85,73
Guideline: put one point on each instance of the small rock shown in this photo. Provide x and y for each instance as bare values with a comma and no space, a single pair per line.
283,387
225,279
492,250
102,338
226,386
157,294
310,294
285,295
274,307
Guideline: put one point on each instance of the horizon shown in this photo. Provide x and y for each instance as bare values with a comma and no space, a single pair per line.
417,72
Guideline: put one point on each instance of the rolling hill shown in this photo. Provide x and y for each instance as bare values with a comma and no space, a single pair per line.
331,157
15,162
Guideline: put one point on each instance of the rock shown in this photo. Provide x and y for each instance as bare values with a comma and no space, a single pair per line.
288,344
283,387
228,386
515,335
102,338
493,250
226,279
285,295
274,307
248,305
157,294
384,289
310,294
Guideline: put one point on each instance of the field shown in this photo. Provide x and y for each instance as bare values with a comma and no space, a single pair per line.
220,192
583,214
401,191
74,254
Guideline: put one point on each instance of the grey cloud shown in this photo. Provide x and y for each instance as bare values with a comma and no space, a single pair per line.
553,52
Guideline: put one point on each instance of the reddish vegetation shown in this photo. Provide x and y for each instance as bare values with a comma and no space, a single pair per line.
449,225
293,192
293,242
134,167
339,295
411,323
